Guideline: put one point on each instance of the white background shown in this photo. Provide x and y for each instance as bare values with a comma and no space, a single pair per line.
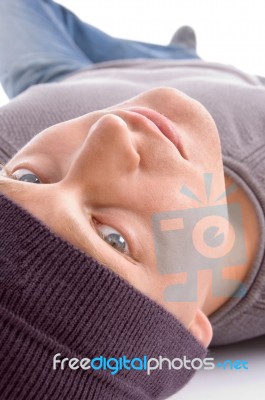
230,384
228,31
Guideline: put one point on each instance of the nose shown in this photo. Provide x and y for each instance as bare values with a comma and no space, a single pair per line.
114,143
107,156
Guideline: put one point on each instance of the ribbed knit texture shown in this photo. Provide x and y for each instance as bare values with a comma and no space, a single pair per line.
56,299
234,99
243,317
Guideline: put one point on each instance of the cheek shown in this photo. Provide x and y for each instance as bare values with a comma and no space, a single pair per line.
184,311
155,289
205,147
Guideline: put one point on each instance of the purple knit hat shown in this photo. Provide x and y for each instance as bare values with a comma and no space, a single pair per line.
54,298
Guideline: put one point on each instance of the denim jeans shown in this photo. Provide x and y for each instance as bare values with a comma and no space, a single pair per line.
41,41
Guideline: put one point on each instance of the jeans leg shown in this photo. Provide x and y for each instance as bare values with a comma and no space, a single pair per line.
99,46
34,45
41,41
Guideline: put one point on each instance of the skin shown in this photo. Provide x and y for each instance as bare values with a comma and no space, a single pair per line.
112,169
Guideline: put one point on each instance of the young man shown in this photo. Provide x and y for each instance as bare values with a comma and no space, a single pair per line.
140,185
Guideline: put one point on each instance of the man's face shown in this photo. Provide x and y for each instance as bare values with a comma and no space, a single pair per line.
109,171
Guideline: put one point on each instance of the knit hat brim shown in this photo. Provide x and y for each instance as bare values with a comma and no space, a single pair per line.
54,298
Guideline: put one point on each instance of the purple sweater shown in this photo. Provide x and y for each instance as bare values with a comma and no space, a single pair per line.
234,99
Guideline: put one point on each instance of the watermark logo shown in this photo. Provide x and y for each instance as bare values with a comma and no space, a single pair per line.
232,365
203,238
146,364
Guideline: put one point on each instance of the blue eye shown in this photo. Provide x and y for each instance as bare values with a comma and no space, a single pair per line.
26,176
113,238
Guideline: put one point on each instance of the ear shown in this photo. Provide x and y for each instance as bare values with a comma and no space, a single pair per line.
201,328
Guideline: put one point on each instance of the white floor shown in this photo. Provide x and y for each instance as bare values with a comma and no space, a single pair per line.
220,384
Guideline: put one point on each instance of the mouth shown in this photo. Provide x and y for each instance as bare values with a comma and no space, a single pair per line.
165,126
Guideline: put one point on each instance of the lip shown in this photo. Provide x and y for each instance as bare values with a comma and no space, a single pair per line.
165,126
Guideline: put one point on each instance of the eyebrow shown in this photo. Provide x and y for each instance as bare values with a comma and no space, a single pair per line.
6,182
72,227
